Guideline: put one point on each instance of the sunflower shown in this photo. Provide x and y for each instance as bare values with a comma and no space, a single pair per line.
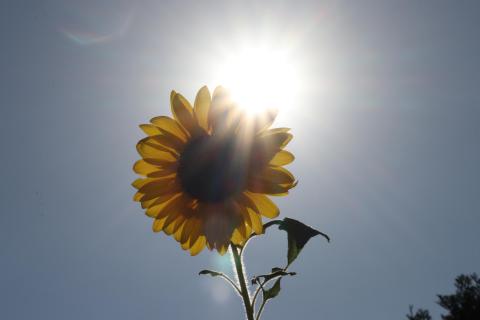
208,171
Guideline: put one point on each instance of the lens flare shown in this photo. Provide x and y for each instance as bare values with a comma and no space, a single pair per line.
260,78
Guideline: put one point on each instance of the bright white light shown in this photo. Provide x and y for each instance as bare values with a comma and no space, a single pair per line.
260,78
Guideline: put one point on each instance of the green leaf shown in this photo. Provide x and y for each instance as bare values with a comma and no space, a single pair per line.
210,272
273,291
298,236
276,272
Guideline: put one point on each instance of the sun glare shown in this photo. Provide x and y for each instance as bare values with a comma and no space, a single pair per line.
260,78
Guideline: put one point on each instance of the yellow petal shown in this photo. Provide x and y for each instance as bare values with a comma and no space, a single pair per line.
222,249
157,225
144,168
147,204
256,219
187,230
195,232
208,244
267,187
274,130
182,112
248,229
185,245
148,148
138,183
172,226
276,139
160,203
202,107
178,204
243,230
198,246
220,108
156,189
237,235
167,124
161,163
178,216
179,231
263,205
150,204
150,129
138,196
165,172
169,141
238,238
244,212
153,185
277,175
265,148
281,158
247,217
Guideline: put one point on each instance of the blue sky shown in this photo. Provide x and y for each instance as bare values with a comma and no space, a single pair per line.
386,141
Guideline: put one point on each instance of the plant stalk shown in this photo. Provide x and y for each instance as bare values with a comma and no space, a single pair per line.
237,258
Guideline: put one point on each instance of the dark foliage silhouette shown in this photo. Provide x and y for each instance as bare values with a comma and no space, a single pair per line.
464,304
420,314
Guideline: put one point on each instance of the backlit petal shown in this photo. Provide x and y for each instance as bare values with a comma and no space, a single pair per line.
160,203
168,124
182,112
156,189
202,107
169,141
150,129
148,148
275,139
281,158
144,168
198,246
153,204
220,116
277,175
256,219
263,205
267,187
157,225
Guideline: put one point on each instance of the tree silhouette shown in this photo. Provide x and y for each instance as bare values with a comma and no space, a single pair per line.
420,314
464,304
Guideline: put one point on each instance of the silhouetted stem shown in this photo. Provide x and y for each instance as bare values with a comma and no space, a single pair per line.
230,281
261,309
260,288
237,258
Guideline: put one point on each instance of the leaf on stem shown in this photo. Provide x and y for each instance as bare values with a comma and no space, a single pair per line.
298,236
273,291
210,272
276,272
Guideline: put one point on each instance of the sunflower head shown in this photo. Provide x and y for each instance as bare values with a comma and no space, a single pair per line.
208,172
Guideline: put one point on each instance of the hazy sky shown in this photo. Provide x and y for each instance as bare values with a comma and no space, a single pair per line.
386,125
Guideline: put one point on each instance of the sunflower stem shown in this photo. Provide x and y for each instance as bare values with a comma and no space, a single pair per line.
237,258
259,314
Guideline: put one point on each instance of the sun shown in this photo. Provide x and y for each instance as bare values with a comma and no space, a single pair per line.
260,78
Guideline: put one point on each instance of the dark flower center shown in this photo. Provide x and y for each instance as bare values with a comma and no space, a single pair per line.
212,168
